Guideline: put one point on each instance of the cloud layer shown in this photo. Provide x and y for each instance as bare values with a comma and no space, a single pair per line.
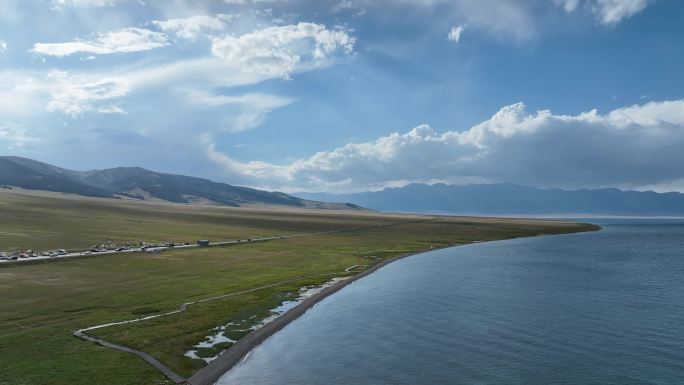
631,147
120,41
191,27
180,84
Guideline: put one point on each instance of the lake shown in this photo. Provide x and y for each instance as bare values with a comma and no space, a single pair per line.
591,308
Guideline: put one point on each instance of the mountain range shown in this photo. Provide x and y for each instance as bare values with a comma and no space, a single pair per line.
511,199
141,184
486,199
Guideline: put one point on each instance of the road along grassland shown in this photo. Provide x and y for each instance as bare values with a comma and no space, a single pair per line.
43,303
44,221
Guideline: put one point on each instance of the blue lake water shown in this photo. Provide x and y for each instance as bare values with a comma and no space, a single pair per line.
591,308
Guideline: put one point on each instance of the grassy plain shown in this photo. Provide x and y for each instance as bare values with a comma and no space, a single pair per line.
42,221
43,303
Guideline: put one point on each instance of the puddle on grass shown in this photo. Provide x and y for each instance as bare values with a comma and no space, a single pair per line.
223,337
209,345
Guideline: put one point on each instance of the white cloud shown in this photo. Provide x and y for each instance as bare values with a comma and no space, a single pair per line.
568,5
73,95
342,6
3,47
111,110
585,150
508,19
455,33
611,12
348,5
608,12
26,94
280,51
252,108
191,27
119,41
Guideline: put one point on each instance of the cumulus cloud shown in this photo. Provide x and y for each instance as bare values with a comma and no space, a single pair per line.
455,33
119,41
541,148
189,28
280,51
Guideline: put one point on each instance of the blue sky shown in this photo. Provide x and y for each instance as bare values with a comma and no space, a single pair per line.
350,95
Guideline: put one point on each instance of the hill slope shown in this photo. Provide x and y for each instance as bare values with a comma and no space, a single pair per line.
509,199
181,189
139,183
21,174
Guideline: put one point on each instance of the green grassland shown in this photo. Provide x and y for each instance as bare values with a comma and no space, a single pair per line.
62,221
43,303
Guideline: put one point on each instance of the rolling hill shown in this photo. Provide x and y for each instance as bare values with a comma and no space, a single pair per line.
142,184
32,175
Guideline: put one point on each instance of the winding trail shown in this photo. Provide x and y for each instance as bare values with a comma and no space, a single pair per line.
211,373
275,325
173,376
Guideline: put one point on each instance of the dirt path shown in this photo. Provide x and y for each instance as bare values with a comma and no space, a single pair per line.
239,349
81,333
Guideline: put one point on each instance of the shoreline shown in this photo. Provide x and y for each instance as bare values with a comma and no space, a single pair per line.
211,373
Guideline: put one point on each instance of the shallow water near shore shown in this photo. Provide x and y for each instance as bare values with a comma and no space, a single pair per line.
590,308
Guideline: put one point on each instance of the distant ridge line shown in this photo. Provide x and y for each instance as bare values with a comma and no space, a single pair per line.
512,199
141,184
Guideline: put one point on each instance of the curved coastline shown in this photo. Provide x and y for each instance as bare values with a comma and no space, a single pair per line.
211,373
